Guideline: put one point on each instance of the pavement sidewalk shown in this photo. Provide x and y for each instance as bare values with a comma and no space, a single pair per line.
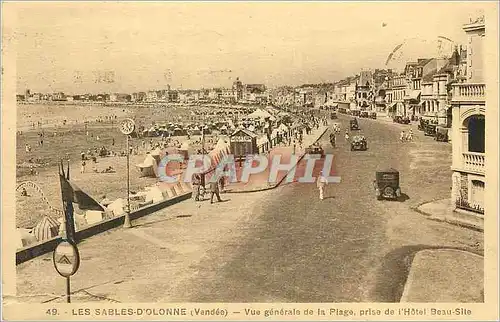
260,181
444,210
445,276
151,262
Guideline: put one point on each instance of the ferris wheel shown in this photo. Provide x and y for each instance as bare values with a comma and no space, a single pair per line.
412,48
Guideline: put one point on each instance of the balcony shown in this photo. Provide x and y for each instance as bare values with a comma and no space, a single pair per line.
468,92
473,162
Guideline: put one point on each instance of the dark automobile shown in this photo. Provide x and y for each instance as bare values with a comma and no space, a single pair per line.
441,134
354,124
373,115
315,150
364,114
397,119
342,110
405,120
386,184
333,115
430,130
359,143
355,113
422,124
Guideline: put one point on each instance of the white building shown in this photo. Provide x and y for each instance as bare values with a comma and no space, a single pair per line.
468,128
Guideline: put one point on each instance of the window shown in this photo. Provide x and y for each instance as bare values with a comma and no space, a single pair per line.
476,135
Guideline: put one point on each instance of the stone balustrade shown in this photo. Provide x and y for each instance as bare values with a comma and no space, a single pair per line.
473,161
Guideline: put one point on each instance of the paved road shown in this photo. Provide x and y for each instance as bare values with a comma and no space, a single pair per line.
306,250
282,245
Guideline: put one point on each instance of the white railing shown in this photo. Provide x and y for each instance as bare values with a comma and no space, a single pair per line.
468,92
474,161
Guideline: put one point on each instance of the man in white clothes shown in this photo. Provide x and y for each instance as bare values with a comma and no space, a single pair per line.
321,184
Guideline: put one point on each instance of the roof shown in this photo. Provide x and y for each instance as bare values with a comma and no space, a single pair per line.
365,78
245,131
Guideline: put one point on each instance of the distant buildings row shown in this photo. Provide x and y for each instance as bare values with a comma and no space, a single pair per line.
238,93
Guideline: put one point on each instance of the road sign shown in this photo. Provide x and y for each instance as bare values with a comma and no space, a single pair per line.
66,259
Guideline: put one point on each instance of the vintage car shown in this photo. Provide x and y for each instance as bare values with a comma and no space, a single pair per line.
333,115
430,130
341,110
373,115
386,184
353,124
355,113
364,114
422,124
441,134
397,119
358,142
315,150
405,120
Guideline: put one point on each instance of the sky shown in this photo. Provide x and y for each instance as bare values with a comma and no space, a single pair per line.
128,47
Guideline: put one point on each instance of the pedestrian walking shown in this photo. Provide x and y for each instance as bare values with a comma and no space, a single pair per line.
346,136
222,183
402,136
214,191
321,184
196,182
82,170
409,137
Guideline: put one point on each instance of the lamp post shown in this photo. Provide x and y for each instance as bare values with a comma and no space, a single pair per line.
127,127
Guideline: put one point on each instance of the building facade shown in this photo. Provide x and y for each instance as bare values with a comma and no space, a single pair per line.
468,129
364,91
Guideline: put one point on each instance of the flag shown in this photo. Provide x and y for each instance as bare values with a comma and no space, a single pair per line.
72,193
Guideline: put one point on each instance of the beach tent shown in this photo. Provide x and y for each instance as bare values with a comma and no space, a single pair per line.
24,237
148,167
46,228
117,207
196,131
259,114
154,195
156,155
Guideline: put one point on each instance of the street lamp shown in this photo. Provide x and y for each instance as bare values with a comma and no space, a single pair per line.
127,127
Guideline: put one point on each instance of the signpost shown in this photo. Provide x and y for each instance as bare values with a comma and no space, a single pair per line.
127,127
66,261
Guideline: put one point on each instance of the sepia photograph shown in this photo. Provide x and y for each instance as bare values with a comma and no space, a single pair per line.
281,153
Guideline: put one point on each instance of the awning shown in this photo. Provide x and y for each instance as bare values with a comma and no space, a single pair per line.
413,95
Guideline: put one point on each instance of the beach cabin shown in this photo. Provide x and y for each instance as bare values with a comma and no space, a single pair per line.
243,142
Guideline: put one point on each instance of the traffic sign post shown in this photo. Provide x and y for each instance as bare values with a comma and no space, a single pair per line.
66,259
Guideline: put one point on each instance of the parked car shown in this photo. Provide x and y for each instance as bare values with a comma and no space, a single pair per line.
373,115
422,124
341,110
333,115
430,130
355,113
441,134
386,184
397,119
364,114
358,142
315,150
405,120
353,124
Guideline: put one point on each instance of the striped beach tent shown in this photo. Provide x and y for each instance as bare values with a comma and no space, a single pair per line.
46,228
